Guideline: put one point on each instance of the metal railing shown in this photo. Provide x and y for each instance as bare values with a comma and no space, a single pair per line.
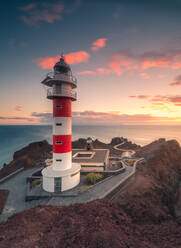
63,77
64,93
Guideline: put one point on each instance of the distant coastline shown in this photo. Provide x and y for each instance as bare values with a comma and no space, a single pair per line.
15,137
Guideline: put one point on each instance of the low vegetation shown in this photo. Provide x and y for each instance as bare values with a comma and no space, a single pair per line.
92,178
35,183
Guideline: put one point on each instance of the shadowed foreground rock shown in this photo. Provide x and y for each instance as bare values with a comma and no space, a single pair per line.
3,197
99,224
142,216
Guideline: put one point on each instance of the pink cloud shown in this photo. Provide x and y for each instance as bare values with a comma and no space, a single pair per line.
92,117
149,63
98,44
125,61
98,71
88,72
77,57
103,71
18,108
160,99
140,96
71,58
161,76
33,14
145,75
120,63
28,7
99,118
177,81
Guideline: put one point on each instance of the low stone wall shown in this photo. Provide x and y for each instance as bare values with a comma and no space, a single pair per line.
11,175
38,196
82,172
107,173
118,186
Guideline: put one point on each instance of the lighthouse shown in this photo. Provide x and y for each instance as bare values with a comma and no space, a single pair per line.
62,174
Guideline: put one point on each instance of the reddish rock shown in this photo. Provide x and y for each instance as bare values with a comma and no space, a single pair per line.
152,195
3,197
27,157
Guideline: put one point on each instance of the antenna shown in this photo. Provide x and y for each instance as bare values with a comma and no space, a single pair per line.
62,56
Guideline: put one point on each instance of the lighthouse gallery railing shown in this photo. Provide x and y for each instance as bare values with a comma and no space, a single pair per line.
63,77
63,93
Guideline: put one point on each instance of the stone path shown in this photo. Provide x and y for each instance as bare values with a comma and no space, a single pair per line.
126,152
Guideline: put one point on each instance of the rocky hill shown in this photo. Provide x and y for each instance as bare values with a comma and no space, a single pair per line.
141,216
152,195
29,156
147,151
97,144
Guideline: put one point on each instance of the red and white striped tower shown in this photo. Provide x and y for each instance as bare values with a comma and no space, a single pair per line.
63,174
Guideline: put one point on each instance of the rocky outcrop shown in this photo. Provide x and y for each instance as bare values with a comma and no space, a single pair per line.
79,144
148,150
97,224
32,155
97,144
82,144
117,140
152,195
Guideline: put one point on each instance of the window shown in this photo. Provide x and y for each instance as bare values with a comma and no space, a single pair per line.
58,160
58,142
57,184
58,106
58,124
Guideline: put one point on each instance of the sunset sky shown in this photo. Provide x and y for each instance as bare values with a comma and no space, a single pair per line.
126,55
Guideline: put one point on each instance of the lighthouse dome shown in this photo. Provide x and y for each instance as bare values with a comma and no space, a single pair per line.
61,66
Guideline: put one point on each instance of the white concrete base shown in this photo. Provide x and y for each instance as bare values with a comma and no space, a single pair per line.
58,181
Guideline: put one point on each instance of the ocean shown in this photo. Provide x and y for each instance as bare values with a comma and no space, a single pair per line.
14,137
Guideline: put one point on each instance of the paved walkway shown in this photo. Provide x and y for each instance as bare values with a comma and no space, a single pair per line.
94,193
17,192
126,152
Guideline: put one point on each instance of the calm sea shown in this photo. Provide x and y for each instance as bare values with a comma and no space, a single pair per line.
13,138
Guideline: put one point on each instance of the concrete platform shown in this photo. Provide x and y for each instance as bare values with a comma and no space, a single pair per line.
17,187
60,180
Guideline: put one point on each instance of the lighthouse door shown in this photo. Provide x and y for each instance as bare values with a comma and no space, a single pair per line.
58,184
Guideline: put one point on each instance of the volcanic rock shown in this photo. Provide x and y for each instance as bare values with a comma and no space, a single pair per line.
29,156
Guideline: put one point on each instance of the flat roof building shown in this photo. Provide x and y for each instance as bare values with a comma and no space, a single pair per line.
91,160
